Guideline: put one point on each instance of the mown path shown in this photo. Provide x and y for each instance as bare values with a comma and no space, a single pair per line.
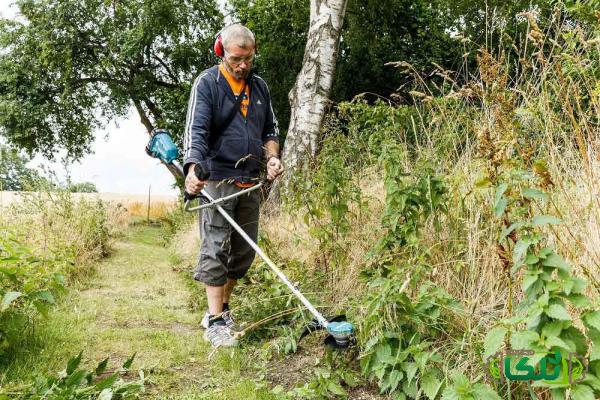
137,302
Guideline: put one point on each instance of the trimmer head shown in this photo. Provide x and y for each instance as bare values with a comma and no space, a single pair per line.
341,332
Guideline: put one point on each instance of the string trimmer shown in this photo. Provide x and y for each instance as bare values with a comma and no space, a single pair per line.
161,146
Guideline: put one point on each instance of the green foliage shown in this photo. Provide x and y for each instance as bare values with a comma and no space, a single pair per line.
380,31
327,382
74,383
69,66
463,389
14,173
28,285
547,284
46,241
552,299
409,201
399,311
83,187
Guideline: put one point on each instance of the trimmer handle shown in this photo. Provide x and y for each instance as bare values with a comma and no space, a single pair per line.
203,175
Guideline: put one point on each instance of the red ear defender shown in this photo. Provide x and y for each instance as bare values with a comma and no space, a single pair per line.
218,47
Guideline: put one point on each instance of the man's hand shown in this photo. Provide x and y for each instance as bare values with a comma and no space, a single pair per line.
193,185
274,168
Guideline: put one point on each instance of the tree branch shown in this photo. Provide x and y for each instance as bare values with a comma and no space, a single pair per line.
153,109
166,67
142,113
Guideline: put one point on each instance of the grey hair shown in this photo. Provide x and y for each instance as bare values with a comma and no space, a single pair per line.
238,34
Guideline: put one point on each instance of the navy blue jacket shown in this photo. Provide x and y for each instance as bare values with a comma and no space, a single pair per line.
237,152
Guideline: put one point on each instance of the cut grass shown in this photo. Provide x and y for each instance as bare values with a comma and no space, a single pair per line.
137,303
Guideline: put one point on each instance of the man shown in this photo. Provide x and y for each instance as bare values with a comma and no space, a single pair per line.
231,137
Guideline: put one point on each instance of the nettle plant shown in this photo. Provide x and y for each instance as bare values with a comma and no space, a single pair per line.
553,313
553,298
402,310
28,285
329,198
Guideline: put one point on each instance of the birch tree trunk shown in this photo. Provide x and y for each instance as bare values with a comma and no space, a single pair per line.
310,94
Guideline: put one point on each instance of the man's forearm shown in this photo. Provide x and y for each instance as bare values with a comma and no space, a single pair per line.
271,149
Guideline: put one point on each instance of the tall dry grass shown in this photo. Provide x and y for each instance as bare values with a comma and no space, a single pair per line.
58,224
543,92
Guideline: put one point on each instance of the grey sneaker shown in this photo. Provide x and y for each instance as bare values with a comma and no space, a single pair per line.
204,323
227,317
220,336
230,322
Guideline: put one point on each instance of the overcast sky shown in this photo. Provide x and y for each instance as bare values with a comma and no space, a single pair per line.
119,162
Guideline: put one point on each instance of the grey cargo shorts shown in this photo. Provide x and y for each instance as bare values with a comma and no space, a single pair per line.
223,252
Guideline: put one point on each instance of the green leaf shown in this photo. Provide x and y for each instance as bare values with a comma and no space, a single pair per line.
533,194
500,192
399,396
531,259
558,311
45,295
336,388
75,378
579,300
430,385
582,392
392,380
450,393
554,341
523,339
519,252
553,328
507,231
594,336
41,307
576,339
579,285
411,369
500,207
541,220
8,298
73,363
554,260
528,280
107,382
101,367
493,341
129,361
484,392
592,319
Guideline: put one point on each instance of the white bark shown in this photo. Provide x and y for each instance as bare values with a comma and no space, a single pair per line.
310,94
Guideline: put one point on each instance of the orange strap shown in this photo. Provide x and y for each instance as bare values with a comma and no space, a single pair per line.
244,185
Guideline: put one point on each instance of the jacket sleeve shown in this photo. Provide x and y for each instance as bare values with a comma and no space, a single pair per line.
271,129
198,121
